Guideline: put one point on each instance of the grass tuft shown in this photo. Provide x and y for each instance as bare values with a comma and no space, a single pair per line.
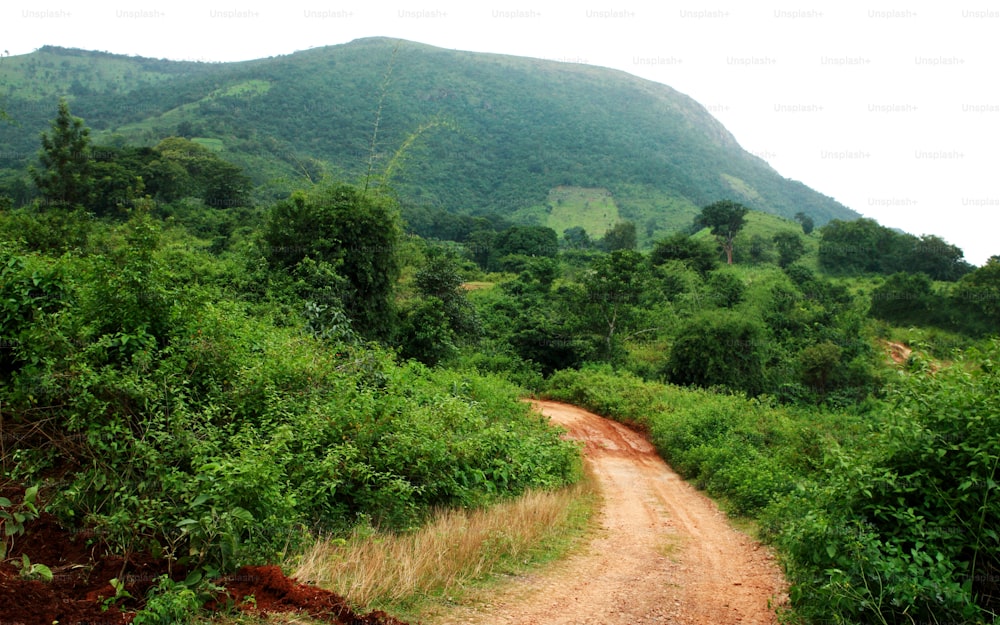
451,553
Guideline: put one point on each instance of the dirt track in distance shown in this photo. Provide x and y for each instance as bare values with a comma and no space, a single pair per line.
664,552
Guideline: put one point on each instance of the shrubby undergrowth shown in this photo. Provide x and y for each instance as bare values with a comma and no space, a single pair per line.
163,409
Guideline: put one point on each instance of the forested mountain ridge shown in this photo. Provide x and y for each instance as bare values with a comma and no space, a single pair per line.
464,132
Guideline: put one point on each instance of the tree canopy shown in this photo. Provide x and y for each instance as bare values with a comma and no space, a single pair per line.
724,219
865,246
353,234
527,240
66,175
621,236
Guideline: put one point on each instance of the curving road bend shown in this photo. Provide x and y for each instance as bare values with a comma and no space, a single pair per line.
664,552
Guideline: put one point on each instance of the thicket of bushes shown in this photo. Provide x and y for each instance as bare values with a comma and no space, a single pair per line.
156,402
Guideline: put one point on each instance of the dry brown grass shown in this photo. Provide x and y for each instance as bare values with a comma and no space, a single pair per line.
455,548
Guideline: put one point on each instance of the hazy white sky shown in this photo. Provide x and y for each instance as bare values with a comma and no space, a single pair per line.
892,109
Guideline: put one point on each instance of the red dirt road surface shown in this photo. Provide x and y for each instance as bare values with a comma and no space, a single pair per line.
664,553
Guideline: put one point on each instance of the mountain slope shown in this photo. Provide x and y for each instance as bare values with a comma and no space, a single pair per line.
483,133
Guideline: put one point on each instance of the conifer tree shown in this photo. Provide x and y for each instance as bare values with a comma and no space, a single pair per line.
65,178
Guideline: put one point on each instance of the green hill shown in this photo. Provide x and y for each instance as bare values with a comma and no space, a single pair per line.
480,133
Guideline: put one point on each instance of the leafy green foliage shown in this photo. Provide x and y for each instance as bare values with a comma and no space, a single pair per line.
614,290
807,222
819,363
698,254
901,528
577,238
29,292
355,235
113,181
936,257
621,236
977,296
904,298
720,349
164,412
181,167
790,248
33,570
725,288
171,601
526,241
856,246
66,178
724,219
864,246
12,520
426,332
433,328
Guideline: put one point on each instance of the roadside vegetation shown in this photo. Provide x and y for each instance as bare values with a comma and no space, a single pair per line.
453,556
215,382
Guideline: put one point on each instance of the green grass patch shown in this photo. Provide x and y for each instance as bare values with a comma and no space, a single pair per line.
748,193
655,212
594,210
245,88
215,145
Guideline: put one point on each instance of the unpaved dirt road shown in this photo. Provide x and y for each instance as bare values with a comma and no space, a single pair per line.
664,553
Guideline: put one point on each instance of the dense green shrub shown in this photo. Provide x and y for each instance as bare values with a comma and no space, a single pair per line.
720,348
698,254
159,410
904,527
354,232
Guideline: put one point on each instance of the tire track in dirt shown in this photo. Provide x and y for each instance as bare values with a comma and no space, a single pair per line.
664,552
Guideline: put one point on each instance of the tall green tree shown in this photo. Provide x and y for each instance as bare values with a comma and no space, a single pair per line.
357,234
724,219
65,178
697,254
433,327
621,236
790,247
614,290
807,222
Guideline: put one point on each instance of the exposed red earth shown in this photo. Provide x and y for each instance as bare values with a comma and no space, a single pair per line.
898,352
82,581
